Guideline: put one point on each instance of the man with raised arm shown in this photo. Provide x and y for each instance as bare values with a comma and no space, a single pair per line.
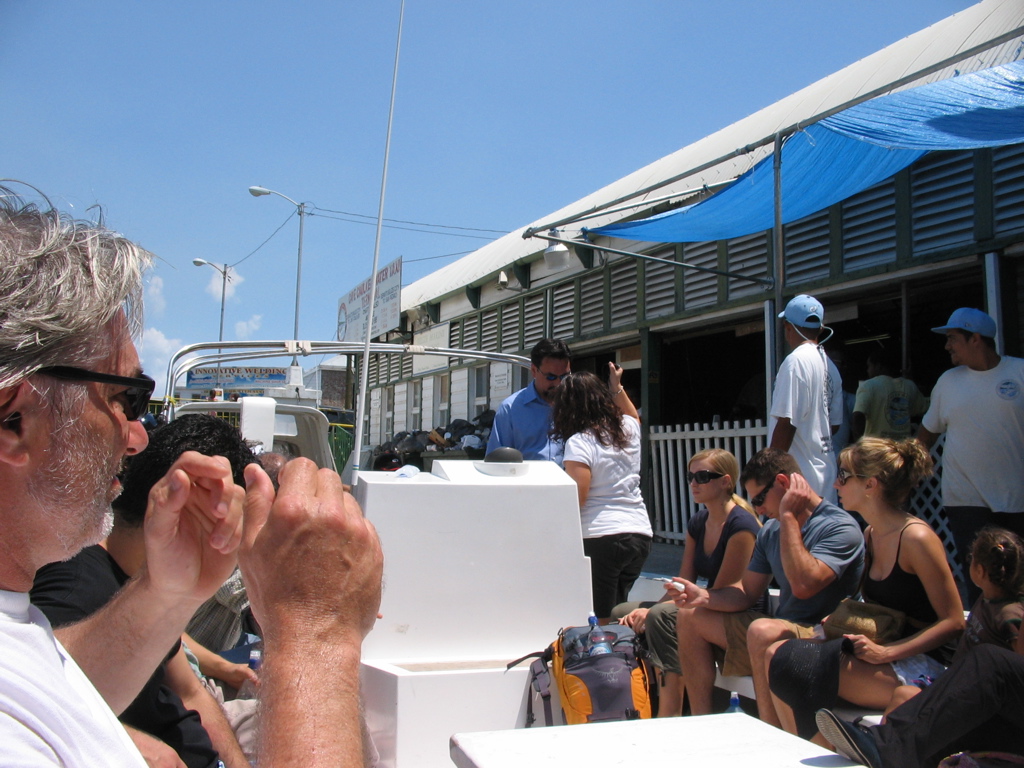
807,401
71,394
523,420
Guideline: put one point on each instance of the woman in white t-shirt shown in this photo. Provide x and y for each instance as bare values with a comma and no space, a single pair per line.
601,430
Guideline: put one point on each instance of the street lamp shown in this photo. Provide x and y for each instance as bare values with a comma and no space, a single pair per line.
260,192
223,293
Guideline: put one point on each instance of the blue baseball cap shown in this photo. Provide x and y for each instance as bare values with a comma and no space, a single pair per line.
970,320
804,311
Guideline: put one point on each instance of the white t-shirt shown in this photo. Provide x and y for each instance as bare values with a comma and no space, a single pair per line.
50,714
982,414
809,392
614,504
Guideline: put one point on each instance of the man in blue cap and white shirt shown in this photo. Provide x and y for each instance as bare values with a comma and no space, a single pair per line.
979,404
807,401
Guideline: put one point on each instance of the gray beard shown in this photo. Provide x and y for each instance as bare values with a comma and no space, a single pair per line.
72,490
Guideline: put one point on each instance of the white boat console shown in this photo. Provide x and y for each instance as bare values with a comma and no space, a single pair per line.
483,564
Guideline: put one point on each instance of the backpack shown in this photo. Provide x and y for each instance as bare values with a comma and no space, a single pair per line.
592,689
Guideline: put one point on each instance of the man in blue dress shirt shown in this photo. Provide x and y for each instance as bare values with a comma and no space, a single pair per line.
524,418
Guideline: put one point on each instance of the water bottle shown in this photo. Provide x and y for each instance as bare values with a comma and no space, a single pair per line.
734,704
249,689
599,640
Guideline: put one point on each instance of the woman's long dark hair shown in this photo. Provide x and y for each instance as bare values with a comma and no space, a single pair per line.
583,404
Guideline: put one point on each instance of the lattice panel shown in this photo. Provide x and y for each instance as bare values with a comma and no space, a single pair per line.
926,503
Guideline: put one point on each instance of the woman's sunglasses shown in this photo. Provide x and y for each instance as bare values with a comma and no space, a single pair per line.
703,477
844,474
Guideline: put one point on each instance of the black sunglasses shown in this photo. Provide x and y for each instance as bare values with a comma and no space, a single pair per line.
556,376
758,500
703,477
138,392
844,474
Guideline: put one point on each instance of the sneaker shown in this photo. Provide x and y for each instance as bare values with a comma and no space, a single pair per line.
852,741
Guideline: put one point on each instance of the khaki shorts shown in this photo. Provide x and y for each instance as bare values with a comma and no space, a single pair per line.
735,660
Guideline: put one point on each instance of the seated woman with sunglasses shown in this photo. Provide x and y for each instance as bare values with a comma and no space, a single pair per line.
905,569
601,430
719,542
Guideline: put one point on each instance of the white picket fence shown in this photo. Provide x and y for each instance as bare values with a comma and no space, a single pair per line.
672,447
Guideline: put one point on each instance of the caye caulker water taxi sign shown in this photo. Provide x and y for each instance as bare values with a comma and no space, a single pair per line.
354,307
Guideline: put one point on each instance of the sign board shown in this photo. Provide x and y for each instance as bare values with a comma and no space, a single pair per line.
435,336
233,377
354,307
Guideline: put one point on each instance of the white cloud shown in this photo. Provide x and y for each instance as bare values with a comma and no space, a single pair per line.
214,286
155,301
155,352
245,328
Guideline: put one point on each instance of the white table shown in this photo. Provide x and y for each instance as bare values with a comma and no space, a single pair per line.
713,741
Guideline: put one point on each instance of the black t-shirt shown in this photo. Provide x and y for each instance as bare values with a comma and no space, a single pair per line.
70,591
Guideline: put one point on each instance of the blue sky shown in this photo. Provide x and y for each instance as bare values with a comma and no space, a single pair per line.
165,113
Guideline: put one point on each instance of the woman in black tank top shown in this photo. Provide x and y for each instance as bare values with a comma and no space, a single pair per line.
906,569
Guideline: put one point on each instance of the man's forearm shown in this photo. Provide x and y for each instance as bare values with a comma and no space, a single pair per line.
806,574
121,645
729,600
217,727
309,705
783,434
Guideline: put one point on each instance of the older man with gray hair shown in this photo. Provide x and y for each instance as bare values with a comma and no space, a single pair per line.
71,394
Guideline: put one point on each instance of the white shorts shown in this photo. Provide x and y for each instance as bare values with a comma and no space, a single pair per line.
920,670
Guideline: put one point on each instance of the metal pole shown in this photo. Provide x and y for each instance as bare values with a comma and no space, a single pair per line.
364,371
298,277
220,335
779,265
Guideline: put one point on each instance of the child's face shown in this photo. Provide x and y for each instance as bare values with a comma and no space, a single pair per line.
978,575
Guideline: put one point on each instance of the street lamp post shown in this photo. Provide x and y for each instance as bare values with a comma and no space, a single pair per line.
301,207
223,293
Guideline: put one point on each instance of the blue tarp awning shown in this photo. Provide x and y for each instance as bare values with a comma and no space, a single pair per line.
850,152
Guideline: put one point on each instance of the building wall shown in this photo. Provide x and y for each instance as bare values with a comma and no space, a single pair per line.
935,218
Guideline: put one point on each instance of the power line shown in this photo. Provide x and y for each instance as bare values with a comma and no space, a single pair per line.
408,229
431,258
253,253
415,223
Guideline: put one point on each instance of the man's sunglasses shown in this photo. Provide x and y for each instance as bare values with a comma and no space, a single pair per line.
557,376
758,500
703,477
138,393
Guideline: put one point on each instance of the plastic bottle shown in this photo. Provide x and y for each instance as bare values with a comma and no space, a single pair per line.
599,640
734,704
249,689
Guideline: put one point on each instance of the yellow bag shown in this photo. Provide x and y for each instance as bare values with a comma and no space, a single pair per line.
592,689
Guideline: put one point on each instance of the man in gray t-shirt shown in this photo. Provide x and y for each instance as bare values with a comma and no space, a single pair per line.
833,538
813,549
